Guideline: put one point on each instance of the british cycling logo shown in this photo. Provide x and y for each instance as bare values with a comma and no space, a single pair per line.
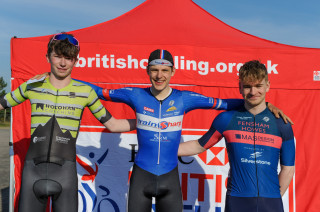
105,192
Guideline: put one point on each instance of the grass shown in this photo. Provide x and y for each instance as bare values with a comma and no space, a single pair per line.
4,124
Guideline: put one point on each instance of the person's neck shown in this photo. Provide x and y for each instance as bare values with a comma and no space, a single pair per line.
255,109
59,83
161,95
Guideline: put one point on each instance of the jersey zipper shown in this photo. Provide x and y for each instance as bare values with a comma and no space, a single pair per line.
255,153
52,128
159,133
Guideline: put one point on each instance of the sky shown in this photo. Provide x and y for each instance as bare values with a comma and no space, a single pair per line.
289,22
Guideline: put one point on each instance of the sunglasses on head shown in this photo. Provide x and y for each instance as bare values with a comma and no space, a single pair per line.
70,38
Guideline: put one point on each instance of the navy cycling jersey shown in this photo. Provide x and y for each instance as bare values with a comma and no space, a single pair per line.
255,143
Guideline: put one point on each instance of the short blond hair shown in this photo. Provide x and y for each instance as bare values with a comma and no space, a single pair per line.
253,71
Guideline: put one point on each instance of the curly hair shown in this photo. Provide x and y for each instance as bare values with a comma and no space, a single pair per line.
63,48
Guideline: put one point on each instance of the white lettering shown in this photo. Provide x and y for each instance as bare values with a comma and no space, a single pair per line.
193,63
231,65
181,63
112,61
176,62
98,60
134,61
144,63
105,60
121,63
203,67
81,62
239,66
271,68
90,60
221,67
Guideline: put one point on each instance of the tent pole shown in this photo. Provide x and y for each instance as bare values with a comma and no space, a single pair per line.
11,185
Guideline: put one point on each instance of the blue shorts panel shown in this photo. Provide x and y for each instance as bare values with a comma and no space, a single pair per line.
253,204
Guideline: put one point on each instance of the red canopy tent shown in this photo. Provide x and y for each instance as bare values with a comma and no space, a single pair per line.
207,54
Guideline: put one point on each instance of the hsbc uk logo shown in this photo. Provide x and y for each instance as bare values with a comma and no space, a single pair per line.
316,76
215,156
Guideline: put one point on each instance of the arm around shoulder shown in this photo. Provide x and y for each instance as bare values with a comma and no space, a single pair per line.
99,91
190,148
120,125
277,113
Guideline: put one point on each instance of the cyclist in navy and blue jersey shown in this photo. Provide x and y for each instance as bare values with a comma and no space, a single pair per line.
255,141
159,112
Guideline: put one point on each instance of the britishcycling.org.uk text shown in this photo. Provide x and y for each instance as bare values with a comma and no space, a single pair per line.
181,63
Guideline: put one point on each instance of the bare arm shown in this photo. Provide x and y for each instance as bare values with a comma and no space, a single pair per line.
277,112
285,177
1,107
190,148
120,125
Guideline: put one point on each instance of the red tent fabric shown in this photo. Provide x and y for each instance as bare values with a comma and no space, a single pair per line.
207,54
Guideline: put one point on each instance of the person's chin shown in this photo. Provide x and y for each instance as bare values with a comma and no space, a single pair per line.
63,76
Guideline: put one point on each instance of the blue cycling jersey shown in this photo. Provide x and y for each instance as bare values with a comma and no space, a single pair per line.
159,123
254,144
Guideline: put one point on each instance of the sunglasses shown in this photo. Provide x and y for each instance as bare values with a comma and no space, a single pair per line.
70,38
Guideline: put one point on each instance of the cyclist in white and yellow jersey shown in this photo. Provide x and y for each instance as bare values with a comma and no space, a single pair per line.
57,104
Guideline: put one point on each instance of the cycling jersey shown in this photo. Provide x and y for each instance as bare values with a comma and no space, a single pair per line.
254,145
55,117
50,167
159,123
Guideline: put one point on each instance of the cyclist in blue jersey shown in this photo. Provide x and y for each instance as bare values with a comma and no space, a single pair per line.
255,141
159,112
